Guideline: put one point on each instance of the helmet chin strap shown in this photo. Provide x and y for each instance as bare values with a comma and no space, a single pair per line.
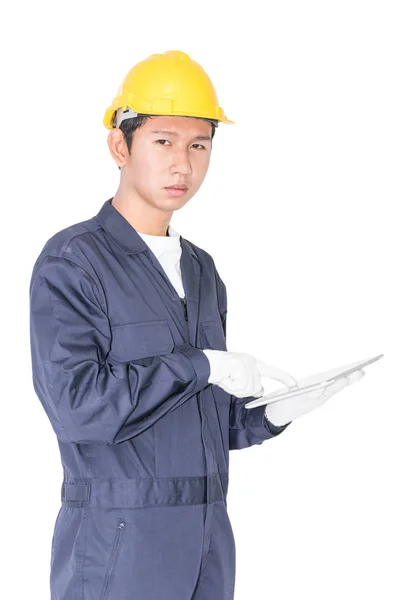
121,115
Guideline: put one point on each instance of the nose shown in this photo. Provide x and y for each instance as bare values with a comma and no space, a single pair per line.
181,164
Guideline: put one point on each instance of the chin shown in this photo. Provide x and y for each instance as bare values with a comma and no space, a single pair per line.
174,203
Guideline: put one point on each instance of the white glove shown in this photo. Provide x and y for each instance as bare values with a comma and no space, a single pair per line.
240,374
284,411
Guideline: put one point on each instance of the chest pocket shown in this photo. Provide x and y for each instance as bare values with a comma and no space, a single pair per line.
213,335
140,340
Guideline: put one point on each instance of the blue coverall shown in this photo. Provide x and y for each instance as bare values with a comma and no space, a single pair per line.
118,366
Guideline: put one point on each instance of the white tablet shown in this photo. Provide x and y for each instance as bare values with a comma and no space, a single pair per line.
313,382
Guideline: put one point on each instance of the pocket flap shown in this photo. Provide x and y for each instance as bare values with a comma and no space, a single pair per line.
214,334
139,340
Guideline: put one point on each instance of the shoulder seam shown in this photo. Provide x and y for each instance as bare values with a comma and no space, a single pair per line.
81,233
76,265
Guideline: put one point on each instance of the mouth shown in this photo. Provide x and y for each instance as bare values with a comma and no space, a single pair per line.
177,190
177,187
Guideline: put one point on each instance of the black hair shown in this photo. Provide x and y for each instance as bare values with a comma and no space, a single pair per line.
129,126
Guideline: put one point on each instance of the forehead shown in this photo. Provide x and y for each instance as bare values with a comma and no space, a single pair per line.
182,126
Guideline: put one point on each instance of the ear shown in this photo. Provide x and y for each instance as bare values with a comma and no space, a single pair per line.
117,146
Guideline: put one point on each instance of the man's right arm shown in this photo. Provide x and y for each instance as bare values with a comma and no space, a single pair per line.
87,398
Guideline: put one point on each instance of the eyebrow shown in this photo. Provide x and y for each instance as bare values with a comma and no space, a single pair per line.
166,131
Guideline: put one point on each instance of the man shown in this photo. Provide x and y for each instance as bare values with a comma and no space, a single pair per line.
129,359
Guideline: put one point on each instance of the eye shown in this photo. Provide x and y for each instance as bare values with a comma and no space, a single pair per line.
160,142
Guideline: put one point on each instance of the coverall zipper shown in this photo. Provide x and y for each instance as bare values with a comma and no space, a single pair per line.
184,306
183,302
167,280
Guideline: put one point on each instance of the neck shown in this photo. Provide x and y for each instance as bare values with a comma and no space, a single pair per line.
143,218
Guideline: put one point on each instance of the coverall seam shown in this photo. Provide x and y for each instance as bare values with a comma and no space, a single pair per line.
203,565
89,479
81,233
109,438
63,257
211,437
224,306
98,284
56,404
80,562
220,432
87,232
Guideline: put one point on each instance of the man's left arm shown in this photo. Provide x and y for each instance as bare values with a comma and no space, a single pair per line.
246,426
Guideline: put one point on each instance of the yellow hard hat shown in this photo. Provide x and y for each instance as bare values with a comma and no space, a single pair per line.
165,84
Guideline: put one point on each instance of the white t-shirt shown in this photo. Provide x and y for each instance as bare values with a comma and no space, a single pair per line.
167,249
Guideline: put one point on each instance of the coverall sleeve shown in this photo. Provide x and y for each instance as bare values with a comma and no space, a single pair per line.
87,398
246,426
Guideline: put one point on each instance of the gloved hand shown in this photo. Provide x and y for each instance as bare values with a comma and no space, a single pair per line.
284,411
240,374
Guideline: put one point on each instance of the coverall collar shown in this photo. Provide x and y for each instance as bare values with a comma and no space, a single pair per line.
130,242
123,233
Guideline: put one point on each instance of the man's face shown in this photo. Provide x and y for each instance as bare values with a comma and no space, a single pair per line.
167,151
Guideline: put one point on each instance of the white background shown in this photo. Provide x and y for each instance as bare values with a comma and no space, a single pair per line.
300,212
